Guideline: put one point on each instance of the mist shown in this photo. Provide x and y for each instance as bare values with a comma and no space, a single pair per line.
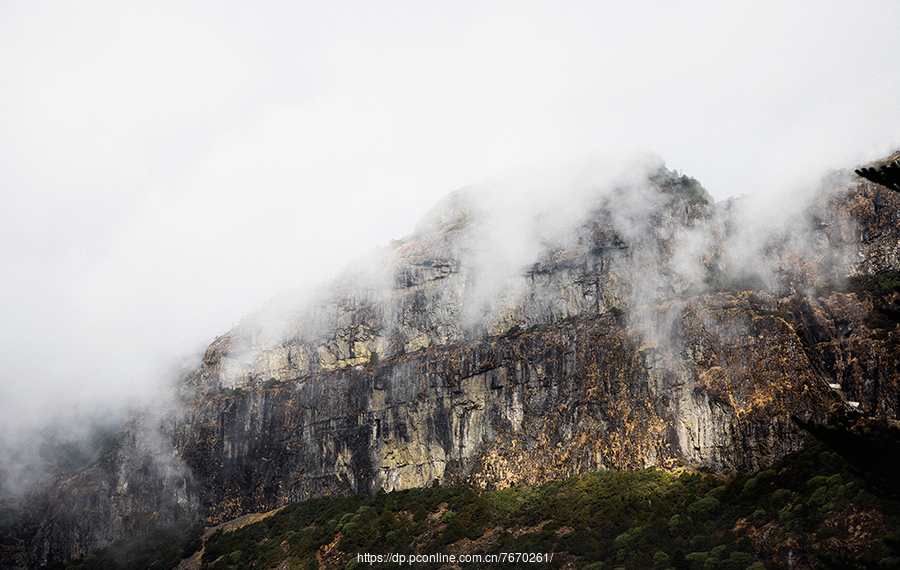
167,168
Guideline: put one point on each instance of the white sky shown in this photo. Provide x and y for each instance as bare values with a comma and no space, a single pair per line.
166,167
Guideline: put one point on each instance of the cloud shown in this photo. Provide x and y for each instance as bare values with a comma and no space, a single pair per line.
167,167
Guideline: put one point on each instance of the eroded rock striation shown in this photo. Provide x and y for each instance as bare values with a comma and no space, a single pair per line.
648,326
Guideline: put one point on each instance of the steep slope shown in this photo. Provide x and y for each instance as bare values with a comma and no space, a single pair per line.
812,509
643,326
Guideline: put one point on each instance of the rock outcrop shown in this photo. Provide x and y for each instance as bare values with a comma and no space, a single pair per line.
138,486
651,328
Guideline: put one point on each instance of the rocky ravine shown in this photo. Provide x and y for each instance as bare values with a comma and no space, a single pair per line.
639,336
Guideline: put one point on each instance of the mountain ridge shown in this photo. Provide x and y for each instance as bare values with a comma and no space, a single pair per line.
655,328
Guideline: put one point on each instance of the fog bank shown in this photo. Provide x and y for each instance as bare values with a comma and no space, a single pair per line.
165,168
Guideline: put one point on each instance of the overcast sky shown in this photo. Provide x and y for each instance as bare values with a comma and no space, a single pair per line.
166,167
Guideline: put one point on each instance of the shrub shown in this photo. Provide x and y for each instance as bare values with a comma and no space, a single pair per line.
660,559
705,507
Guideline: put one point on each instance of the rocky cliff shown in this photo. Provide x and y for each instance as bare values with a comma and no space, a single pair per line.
634,324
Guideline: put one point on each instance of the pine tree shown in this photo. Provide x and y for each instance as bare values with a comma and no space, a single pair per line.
888,175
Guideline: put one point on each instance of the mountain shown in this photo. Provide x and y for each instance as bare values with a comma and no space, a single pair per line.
527,331
811,509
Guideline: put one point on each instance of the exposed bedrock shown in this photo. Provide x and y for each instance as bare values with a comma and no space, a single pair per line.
659,330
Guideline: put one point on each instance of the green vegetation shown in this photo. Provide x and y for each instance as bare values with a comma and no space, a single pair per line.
15,529
270,383
871,450
159,550
72,456
822,289
881,284
463,221
888,175
671,182
820,502
718,281
756,304
883,291
513,331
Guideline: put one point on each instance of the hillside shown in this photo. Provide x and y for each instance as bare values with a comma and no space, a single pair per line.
812,509
629,323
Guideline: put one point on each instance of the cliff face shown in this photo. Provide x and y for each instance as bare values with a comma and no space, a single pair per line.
136,487
656,329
